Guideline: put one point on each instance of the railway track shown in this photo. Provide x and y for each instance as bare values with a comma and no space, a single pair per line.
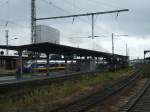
87,102
140,102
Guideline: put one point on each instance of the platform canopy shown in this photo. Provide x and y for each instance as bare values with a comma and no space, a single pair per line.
9,47
52,48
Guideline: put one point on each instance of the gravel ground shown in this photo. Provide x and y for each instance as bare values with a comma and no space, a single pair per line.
114,103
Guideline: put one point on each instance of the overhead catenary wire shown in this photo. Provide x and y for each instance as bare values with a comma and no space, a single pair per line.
63,10
75,6
110,4
52,4
98,2
8,21
87,14
79,15
3,3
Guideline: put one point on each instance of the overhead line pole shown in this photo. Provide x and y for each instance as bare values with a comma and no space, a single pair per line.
7,31
113,43
93,26
127,50
33,20
86,14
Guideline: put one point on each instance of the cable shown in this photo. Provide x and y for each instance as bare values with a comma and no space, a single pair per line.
74,5
7,22
107,4
116,17
6,2
8,14
11,22
50,3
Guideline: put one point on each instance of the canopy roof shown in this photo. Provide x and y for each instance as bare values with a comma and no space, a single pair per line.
59,49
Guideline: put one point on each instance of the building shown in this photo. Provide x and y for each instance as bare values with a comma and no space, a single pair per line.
47,34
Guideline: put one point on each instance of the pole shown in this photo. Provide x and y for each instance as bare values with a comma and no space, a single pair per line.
33,20
78,15
144,58
7,40
19,65
112,43
92,26
126,50
47,58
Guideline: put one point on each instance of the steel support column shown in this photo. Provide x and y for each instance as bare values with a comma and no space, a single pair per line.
66,65
47,66
33,20
92,26
19,66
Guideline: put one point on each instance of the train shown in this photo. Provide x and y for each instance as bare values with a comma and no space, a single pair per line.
42,66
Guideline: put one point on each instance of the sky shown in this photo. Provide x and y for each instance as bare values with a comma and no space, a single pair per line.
134,23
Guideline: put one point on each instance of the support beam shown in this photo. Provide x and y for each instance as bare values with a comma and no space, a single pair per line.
66,65
19,66
85,57
86,14
103,60
47,59
127,54
97,60
79,15
144,59
93,57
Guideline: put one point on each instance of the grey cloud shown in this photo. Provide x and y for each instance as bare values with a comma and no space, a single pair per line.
135,23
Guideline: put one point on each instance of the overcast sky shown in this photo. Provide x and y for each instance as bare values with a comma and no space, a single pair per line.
134,23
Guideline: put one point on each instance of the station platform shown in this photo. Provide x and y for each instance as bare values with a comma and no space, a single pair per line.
38,76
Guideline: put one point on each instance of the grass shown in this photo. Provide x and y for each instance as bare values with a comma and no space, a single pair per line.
53,94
